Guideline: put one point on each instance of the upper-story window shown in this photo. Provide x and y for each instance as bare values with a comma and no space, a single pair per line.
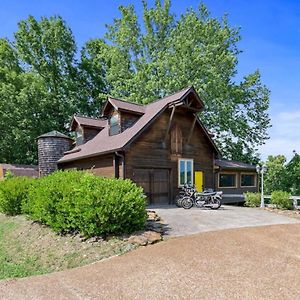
176,140
114,124
79,136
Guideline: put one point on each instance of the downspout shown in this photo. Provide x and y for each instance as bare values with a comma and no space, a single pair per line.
123,163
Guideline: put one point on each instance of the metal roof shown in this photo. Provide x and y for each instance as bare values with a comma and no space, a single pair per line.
54,133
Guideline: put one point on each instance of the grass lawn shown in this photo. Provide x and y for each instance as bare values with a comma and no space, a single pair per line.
28,248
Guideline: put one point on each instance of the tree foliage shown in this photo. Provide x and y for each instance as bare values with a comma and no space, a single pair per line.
43,80
275,178
38,86
283,176
142,61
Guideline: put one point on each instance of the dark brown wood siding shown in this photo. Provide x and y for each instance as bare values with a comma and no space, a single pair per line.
89,133
127,120
100,165
150,152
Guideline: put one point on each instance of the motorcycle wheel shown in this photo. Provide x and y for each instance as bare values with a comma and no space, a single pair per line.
186,202
215,204
178,200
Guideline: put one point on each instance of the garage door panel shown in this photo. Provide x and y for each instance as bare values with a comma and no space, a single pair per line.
155,182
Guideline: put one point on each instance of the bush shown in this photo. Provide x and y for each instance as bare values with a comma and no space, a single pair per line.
252,199
76,201
13,192
281,199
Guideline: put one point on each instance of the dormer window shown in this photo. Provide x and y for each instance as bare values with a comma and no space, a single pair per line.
79,136
114,124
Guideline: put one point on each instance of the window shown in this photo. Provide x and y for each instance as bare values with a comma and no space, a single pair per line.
114,124
79,136
248,180
176,140
227,180
186,170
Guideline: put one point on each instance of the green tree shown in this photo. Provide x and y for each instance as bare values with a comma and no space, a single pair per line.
275,178
39,86
143,61
292,179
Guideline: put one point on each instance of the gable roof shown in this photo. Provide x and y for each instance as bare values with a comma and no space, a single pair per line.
234,165
119,104
104,143
88,122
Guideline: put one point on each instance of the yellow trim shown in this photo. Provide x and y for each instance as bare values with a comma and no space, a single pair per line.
248,186
227,187
1,173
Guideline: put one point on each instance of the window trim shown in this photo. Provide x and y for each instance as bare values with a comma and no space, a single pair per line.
228,187
248,186
192,171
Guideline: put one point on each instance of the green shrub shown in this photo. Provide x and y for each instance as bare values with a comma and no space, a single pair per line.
281,199
252,199
76,201
13,192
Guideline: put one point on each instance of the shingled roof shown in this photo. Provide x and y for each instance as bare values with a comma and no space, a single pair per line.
234,165
88,122
104,143
124,105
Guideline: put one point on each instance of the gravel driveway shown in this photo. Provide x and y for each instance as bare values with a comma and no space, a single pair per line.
180,222
244,263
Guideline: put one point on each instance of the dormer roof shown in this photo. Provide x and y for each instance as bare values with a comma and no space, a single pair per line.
87,122
122,105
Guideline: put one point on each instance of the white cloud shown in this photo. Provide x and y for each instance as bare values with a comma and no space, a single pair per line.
284,135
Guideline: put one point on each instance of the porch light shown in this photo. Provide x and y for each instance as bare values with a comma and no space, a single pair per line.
261,170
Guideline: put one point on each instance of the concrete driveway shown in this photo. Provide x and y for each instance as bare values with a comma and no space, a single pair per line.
181,222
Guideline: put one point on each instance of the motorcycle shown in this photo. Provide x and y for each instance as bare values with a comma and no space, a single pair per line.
186,190
207,198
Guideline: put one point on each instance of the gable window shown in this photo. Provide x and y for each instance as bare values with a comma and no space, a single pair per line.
248,180
227,180
176,140
114,124
79,136
185,171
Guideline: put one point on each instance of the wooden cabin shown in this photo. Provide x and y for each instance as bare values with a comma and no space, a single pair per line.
160,146
234,179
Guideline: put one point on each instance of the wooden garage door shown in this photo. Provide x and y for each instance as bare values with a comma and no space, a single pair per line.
156,184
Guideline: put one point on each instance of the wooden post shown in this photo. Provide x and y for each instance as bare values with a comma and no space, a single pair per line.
192,129
169,126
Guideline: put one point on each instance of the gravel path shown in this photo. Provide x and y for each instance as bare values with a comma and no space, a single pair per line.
246,263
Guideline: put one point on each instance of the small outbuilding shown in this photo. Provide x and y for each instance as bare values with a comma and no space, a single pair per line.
234,179
19,170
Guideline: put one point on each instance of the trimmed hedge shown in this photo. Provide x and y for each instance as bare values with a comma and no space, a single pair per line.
252,199
13,191
77,201
281,199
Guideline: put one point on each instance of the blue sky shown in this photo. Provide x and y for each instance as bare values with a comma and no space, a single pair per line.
270,42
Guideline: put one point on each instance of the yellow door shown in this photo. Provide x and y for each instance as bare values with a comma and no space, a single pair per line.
199,181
